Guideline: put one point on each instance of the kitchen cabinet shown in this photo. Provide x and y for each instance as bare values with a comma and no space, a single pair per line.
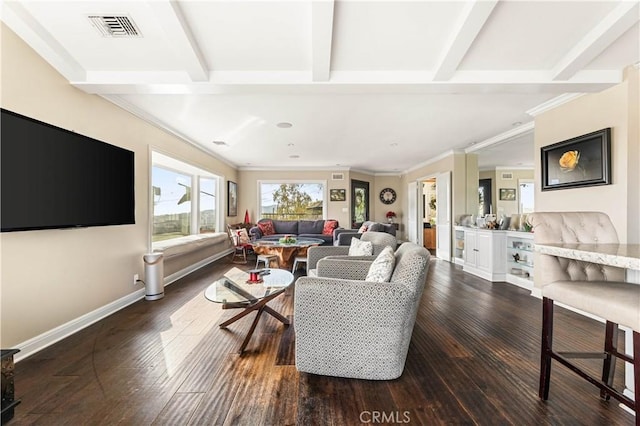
485,253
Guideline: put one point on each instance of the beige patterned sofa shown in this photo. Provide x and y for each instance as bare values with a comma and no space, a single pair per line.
348,327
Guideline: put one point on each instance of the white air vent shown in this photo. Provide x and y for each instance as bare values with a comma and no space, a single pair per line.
337,176
115,26
507,175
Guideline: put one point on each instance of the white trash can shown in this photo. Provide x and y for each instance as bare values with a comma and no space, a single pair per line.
154,276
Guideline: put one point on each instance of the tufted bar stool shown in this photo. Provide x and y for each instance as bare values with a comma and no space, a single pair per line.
593,288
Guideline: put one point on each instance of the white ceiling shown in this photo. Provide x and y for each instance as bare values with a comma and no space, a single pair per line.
379,86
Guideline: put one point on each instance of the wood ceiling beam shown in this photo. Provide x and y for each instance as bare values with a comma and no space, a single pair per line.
616,23
473,18
181,40
321,39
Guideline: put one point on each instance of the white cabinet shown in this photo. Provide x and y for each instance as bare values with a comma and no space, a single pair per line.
485,253
458,249
520,259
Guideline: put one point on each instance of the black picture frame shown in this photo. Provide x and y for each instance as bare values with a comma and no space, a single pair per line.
232,198
359,203
581,161
337,195
507,194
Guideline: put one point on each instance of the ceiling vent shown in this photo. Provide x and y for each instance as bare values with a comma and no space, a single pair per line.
507,175
337,176
115,26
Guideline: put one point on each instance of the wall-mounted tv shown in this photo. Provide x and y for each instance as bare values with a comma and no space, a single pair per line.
55,178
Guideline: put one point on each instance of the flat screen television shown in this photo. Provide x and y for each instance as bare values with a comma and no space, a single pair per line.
55,178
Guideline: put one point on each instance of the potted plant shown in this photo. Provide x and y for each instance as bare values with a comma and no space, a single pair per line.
390,215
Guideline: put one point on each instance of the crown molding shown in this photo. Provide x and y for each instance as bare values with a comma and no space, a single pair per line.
553,103
502,137
433,160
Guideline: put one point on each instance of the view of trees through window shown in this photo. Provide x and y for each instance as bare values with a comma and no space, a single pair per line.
292,201
175,212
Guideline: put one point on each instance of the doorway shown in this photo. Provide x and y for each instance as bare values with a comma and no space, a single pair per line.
484,197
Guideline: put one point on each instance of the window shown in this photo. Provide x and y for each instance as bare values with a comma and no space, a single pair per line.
292,200
526,196
176,213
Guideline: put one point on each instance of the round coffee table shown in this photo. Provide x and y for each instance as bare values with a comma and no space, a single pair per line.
233,292
286,252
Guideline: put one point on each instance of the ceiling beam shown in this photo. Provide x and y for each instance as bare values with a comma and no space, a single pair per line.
321,38
180,39
473,18
16,16
616,23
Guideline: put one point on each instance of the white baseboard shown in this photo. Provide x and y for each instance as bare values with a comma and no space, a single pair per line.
50,337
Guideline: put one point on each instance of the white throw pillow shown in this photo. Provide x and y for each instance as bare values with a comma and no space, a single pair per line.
381,269
360,248
243,236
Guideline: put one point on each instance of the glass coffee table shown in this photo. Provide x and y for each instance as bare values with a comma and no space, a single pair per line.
233,291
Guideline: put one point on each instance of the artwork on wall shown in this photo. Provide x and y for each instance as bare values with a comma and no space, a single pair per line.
359,203
337,194
232,198
581,161
507,194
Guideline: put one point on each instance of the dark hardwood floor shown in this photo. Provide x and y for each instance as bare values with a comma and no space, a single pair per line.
473,359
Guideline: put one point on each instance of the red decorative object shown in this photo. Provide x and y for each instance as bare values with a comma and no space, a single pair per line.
390,214
329,226
246,216
254,277
266,227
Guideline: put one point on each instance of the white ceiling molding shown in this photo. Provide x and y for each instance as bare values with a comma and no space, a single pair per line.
29,29
616,23
249,168
180,38
433,160
321,35
471,22
553,103
502,137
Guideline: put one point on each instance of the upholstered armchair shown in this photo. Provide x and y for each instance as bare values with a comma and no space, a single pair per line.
348,327
593,288
379,240
342,237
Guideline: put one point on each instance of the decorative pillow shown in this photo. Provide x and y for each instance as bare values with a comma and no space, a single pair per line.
381,269
363,229
360,248
266,227
329,226
243,236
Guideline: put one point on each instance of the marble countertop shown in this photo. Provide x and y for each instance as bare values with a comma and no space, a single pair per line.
621,255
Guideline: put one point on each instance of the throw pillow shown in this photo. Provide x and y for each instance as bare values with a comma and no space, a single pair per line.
381,269
363,229
266,227
243,236
329,226
360,248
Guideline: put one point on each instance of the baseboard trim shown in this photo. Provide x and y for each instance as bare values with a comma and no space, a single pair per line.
52,336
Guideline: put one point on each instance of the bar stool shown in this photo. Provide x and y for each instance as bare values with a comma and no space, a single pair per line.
299,259
266,259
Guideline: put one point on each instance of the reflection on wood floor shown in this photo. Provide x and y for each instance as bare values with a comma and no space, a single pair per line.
473,359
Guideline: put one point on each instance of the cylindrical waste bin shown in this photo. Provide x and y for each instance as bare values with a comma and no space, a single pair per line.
153,276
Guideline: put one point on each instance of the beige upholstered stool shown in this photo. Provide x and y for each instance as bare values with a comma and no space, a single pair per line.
266,259
299,259
593,288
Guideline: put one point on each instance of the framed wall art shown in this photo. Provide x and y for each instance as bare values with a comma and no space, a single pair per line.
232,198
507,194
337,194
359,202
580,161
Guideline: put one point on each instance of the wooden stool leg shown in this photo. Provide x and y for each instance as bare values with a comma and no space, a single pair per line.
545,349
609,364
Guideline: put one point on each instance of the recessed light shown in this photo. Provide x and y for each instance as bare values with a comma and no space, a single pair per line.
290,144
220,143
393,144
294,156
284,125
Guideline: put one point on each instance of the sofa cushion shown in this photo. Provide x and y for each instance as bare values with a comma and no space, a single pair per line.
376,227
382,267
360,248
364,228
242,236
329,226
266,227
285,227
310,226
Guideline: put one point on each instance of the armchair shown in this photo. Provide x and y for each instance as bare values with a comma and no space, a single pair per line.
342,237
379,240
348,327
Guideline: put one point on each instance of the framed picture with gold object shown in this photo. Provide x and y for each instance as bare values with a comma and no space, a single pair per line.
581,161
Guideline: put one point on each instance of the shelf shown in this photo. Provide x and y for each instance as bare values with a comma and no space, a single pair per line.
526,265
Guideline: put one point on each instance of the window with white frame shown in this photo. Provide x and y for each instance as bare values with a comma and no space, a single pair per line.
292,200
176,212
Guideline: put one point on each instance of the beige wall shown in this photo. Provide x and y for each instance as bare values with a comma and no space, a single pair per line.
503,207
51,277
617,108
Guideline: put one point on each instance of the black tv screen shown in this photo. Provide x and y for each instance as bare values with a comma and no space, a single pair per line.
55,178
